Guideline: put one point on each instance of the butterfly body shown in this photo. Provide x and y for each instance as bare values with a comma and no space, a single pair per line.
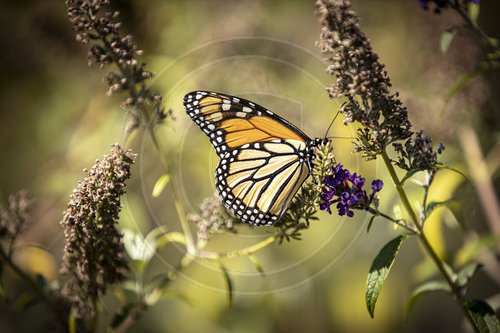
264,159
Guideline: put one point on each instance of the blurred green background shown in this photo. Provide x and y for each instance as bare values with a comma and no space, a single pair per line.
56,119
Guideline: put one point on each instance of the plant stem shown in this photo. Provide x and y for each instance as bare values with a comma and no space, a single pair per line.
238,253
60,316
399,187
387,217
190,245
425,242
130,321
473,25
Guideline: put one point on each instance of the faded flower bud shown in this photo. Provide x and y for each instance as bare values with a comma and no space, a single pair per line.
93,251
417,153
213,218
15,217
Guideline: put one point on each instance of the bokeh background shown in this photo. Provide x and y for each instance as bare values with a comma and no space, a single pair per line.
55,120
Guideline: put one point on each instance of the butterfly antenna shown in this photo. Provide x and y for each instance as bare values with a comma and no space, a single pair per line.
334,118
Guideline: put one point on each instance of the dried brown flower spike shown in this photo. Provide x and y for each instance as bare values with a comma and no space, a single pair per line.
93,251
15,218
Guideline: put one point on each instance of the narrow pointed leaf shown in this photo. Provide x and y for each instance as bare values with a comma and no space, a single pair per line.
160,185
447,37
467,273
442,166
379,271
484,316
72,320
256,263
452,204
161,294
24,301
472,248
409,174
473,11
423,289
173,236
229,285
370,224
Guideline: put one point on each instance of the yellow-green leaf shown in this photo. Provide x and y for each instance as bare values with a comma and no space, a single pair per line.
160,185
473,11
229,285
423,289
72,320
256,263
447,37
173,236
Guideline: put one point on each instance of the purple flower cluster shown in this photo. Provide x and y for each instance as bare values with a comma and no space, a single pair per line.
346,190
441,3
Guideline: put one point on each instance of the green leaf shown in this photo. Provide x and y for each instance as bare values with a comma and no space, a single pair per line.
380,269
458,85
137,266
466,273
456,209
442,166
72,320
447,37
449,270
473,248
173,236
423,289
24,301
370,224
483,316
161,294
123,312
452,204
141,248
473,11
409,174
131,136
256,263
229,284
160,185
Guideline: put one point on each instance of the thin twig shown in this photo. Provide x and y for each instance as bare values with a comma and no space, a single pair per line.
238,253
387,217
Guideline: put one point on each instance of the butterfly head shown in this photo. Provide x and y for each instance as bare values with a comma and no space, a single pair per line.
313,144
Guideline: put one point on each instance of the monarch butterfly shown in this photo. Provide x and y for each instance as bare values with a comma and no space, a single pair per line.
264,159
